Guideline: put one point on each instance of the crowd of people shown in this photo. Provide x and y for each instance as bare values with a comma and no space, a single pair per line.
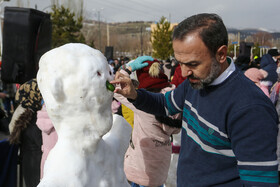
226,111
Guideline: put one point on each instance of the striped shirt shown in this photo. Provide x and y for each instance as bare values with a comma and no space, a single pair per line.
229,133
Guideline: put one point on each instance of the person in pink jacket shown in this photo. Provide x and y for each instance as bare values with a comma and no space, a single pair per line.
147,159
257,76
49,135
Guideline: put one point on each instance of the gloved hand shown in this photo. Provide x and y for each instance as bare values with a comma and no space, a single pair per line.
138,62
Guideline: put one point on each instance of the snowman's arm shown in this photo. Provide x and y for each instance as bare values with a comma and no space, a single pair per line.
119,135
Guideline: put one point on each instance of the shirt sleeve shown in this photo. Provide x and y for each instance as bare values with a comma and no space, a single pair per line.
168,104
152,103
253,133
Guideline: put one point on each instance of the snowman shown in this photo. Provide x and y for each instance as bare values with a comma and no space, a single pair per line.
171,180
74,80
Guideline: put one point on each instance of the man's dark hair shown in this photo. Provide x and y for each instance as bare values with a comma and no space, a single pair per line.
210,28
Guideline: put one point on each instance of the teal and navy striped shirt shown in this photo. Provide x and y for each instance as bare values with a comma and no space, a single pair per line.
229,132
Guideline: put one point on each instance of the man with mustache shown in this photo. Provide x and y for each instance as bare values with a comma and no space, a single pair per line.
229,133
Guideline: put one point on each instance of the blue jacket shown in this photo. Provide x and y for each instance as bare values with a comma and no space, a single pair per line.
268,64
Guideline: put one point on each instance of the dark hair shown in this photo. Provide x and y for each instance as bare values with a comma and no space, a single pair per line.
210,28
243,62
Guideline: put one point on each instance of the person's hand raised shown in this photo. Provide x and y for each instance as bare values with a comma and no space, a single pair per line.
124,86
138,63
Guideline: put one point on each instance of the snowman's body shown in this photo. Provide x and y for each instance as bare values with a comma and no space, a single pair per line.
88,153
171,180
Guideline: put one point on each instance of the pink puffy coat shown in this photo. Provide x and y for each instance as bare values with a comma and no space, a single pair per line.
147,158
49,135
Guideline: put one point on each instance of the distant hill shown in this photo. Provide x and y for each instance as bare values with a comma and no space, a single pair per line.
127,36
132,25
248,32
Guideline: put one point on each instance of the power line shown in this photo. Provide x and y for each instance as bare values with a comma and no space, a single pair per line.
156,6
127,8
116,8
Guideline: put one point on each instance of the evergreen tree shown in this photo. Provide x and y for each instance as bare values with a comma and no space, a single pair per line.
65,29
162,40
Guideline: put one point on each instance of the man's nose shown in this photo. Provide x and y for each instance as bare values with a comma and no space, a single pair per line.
186,71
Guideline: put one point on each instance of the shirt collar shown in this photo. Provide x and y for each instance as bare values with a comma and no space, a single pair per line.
226,73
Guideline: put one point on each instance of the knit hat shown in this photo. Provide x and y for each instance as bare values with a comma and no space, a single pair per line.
29,96
273,52
255,75
152,76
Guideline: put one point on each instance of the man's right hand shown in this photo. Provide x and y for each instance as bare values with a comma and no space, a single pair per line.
124,86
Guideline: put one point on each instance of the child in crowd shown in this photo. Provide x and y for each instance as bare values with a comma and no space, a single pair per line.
147,159
257,75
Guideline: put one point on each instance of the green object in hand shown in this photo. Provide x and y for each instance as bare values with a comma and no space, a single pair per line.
110,86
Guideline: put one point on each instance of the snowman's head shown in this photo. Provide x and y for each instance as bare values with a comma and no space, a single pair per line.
72,79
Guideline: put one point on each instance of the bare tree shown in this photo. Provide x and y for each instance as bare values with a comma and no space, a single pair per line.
263,38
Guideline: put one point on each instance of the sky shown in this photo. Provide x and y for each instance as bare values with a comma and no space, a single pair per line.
240,14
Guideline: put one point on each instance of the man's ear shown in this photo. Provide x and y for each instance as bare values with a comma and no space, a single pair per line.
221,54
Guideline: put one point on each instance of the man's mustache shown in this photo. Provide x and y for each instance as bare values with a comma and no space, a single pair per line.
193,77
